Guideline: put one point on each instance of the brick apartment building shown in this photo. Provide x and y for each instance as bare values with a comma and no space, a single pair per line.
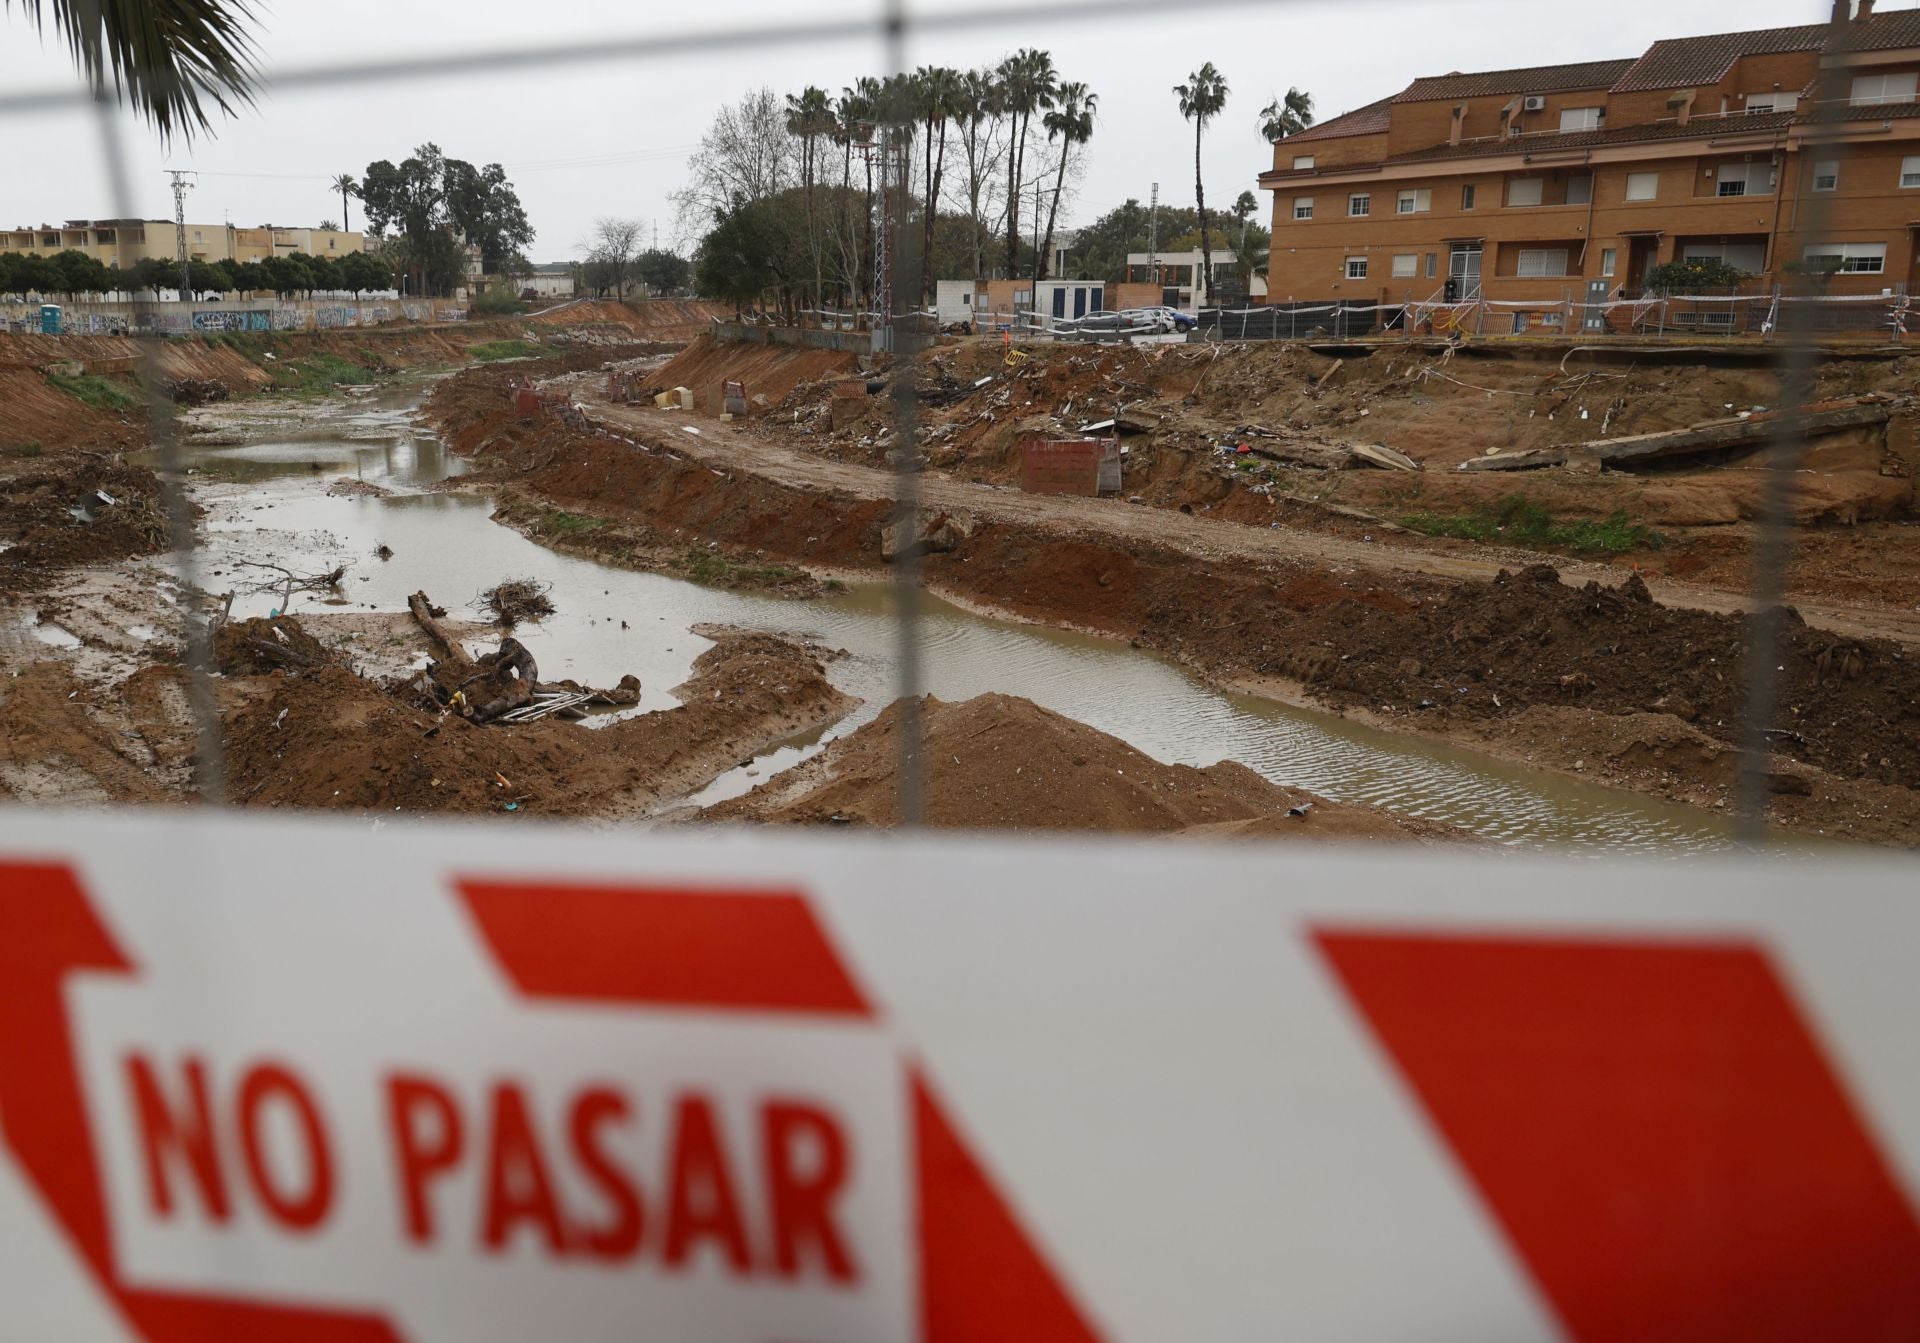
1573,181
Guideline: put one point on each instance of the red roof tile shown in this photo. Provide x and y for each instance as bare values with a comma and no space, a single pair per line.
1699,127
1687,62
1534,79
1368,120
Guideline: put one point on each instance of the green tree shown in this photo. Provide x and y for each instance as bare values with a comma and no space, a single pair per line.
810,119
431,203
357,272
1104,244
348,188
1028,83
662,271
483,206
756,251
1286,116
1694,275
1201,98
249,276
1072,121
167,59
79,273
151,272
288,276
210,278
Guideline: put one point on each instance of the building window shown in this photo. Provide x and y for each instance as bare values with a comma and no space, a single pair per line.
1356,268
1415,202
1406,265
50,240
1910,172
1525,190
1848,258
1303,207
1643,186
1582,119
1870,89
1744,179
1580,189
1538,263
1750,257
1609,258
1771,102
1433,264
1466,196
1359,205
1302,163
1826,176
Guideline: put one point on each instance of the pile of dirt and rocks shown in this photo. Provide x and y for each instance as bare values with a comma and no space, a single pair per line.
1492,649
261,645
330,739
1002,763
75,509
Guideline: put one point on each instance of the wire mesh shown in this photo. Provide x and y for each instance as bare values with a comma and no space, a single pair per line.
894,27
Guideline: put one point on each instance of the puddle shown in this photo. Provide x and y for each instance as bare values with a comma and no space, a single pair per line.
448,546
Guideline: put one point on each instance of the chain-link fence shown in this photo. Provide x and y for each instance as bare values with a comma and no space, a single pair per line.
1789,321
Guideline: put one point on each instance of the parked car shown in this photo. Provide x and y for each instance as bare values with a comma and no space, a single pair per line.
1147,319
1182,321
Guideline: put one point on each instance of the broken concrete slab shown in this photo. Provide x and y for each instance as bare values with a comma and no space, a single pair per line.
1379,454
1516,461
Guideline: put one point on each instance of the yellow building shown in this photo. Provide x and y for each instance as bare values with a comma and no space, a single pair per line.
127,241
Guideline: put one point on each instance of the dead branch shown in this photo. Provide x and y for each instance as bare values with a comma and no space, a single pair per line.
445,644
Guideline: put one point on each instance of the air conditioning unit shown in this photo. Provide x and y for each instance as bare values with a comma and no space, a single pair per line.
1536,102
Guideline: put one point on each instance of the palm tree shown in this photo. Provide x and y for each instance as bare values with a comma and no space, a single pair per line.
809,116
940,90
1072,121
977,110
162,56
1201,98
1028,83
1286,116
346,186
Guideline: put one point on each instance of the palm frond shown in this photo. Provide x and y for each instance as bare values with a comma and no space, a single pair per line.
172,61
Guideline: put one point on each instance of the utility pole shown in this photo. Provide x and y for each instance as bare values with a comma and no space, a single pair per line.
1153,236
181,186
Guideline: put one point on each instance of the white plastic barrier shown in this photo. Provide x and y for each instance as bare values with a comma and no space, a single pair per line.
295,1080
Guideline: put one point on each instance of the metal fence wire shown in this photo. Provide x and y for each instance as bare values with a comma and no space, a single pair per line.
898,31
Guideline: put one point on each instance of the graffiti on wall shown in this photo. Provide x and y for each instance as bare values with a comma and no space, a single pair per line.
245,320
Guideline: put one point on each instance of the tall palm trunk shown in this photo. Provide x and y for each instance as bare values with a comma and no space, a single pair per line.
1013,200
1053,210
344,226
1200,198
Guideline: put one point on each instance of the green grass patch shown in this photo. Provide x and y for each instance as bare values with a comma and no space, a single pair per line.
571,524
715,570
31,448
96,391
505,349
1516,521
318,374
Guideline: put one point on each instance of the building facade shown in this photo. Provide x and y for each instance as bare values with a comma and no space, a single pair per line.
1575,181
125,242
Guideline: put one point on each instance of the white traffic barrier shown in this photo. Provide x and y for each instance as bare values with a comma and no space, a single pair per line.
275,1080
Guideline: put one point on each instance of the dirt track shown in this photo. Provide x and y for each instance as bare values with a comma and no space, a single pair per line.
720,444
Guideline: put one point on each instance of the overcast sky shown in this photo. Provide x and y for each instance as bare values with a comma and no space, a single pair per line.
612,139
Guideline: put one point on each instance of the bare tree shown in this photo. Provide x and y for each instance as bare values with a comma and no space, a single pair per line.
980,117
611,249
746,155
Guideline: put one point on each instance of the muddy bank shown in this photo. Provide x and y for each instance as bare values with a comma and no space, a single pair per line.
1455,660
997,762
74,509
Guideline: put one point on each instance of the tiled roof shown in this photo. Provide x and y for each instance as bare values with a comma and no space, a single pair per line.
1700,127
1368,120
1865,112
1534,79
1884,32
1686,62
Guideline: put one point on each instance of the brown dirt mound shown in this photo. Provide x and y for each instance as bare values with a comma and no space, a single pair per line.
999,762
258,646
37,499
346,744
1491,649
769,371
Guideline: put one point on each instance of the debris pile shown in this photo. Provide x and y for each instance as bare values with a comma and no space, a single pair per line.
261,645
515,600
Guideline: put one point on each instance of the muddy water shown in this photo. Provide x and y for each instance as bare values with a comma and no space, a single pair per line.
267,501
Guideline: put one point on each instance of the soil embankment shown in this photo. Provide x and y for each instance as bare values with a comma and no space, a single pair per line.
1469,660
768,373
998,762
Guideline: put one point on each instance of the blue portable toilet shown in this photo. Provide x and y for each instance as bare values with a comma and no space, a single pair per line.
49,319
